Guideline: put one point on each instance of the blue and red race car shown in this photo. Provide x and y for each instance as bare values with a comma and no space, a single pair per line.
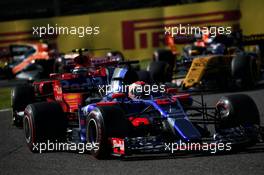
128,121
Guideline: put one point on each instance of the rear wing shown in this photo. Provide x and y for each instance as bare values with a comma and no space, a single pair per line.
253,39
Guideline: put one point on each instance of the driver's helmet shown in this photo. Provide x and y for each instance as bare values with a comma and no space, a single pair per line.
82,61
199,42
205,40
218,48
208,37
136,90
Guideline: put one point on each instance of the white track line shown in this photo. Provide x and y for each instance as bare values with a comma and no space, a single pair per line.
4,110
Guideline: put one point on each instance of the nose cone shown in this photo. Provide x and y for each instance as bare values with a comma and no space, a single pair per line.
185,129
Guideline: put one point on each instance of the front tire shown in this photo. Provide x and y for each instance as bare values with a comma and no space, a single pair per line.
237,110
103,123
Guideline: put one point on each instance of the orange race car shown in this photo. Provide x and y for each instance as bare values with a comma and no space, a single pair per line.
28,61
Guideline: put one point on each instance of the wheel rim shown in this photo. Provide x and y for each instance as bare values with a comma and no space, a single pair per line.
27,129
12,97
224,111
92,131
223,108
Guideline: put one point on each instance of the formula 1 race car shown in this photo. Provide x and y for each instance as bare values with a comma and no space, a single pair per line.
70,89
225,67
65,62
29,61
129,122
220,62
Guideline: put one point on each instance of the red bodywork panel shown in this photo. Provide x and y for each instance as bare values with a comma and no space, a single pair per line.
73,100
185,99
107,103
52,90
119,95
138,121
181,97
163,101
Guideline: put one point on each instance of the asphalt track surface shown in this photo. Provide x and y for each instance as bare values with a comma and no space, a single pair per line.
15,158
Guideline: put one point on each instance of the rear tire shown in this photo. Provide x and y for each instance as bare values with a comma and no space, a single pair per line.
164,55
144,75
168,57
130,77
8,73
21,96
244,71
42,122
159,72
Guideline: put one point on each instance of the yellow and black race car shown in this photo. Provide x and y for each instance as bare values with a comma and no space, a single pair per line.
219,63
225,66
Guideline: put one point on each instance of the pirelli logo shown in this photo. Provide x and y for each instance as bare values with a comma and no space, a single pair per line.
147,33
7,38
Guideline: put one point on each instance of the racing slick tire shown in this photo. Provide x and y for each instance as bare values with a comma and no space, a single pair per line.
44,122
244,71
144,75
130,77
164,55
8,73
103,123
239,110
159,72
21,96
